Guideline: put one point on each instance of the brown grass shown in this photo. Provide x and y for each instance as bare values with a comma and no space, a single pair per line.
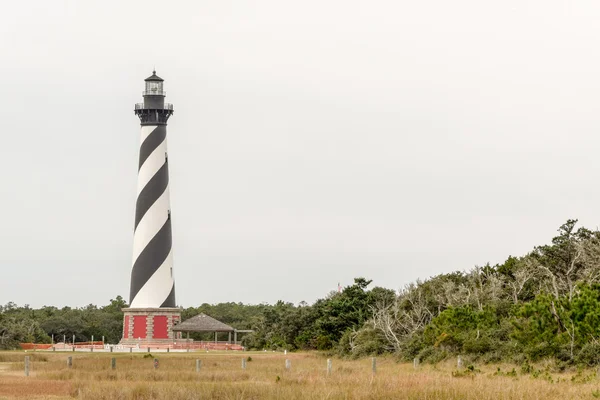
265,377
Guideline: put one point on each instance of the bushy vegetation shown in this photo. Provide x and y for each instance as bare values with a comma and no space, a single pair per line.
27,325
545,304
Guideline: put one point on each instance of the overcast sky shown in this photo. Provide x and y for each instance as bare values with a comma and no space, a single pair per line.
313,141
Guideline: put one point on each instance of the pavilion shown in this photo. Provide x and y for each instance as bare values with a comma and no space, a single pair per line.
203,323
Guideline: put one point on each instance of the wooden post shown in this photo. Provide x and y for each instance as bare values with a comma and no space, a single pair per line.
459,363
198,365
168,349
148,349
243,363
69,362
111,349
416,363
131,349
329,366
374,365
113,363
53,348
73,349
26,365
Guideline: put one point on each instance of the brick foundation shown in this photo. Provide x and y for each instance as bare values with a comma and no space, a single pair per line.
139,325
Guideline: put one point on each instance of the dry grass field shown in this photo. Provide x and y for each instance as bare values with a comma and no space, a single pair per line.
265,377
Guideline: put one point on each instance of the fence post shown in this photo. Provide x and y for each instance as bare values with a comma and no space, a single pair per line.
111,349
459,363
288,364
148,349
113,363
73,349
26,365
243,363
374,365
168,349
69,362
131,349
416,363
198,365
329,366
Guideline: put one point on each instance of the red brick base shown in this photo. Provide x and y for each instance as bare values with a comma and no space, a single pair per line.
143,325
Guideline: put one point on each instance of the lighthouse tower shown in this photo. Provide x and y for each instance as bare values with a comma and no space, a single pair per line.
152,311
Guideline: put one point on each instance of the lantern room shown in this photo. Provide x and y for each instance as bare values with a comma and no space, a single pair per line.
154,86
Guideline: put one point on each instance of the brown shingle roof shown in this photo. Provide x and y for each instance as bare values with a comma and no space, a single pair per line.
202,323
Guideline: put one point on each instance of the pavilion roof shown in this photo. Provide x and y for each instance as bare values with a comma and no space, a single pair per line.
202,323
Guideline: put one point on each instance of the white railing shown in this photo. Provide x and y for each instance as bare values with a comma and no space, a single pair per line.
140,106
154,93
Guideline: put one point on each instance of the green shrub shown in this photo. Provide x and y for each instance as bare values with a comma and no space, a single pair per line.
432,355
526,368
367,342
492,357
478,346
512,373
518,358
589,355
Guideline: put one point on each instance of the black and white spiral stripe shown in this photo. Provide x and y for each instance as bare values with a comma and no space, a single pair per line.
152,283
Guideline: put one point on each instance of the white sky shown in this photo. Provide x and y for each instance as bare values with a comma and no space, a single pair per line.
313,141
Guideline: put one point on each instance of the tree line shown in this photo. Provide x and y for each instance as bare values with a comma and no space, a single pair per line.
543,304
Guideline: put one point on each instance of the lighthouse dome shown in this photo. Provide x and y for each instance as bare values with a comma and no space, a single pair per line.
154,78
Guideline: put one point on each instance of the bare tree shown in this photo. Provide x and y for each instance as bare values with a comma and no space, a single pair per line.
409,314
521,277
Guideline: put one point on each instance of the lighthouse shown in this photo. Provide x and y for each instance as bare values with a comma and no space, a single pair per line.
152,311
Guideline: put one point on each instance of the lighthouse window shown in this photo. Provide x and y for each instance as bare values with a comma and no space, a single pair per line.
154,87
